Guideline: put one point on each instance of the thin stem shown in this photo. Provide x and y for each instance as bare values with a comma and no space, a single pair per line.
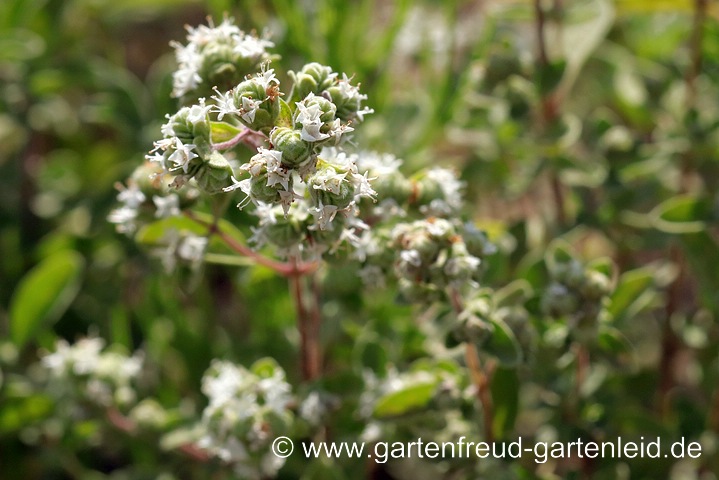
249,137
549,106
284,269
582,358
481,377
697,38
308,326
126,425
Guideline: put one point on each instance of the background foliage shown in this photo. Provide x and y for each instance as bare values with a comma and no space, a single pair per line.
603,139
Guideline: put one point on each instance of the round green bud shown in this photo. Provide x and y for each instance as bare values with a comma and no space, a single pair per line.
595,285
259,190
259,109
214,174
219,65
571,274
329,185
285,232
295,151
394,185
313,78
558,301
418,292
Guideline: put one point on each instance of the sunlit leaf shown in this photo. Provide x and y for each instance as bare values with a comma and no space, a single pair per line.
44,294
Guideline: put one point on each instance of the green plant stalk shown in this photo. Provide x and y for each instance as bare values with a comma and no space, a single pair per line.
481,376
549,105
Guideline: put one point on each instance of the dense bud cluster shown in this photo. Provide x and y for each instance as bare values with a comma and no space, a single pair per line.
216,56
578,293
429,256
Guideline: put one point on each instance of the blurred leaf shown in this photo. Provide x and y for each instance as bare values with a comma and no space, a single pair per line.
515,293
612,340
680,214
409,399
631,286
580,39
505,398
503,345
549,76
44,294
20,45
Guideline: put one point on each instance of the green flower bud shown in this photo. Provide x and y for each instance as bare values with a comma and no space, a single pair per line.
295,151
418,292
189,124
285,232
595,285
258,108
260,191
313,78
393,185
330,185
570,274
214,174
222,66
559,301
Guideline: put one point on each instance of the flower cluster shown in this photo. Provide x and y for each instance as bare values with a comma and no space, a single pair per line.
428,256
148,196
216,56
247,409
578,293
104,377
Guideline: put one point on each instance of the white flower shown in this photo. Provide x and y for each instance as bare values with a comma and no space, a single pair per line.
312,409
411,257
324,214
249,108
377,164
182,155
198,113
168,206
192,248
309,117
131,196
225,104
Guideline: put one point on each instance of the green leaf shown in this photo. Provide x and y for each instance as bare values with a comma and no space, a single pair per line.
409,399
222,132
580,39
284,119
630,289
514,293
549,76
153,233
505,398
502,344
44,294
680,214
612,340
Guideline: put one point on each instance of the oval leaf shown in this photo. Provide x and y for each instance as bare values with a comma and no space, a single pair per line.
503,344
44,294
407,400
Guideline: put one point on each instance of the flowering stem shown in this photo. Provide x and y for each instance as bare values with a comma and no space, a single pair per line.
308,324
481,377
284,269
